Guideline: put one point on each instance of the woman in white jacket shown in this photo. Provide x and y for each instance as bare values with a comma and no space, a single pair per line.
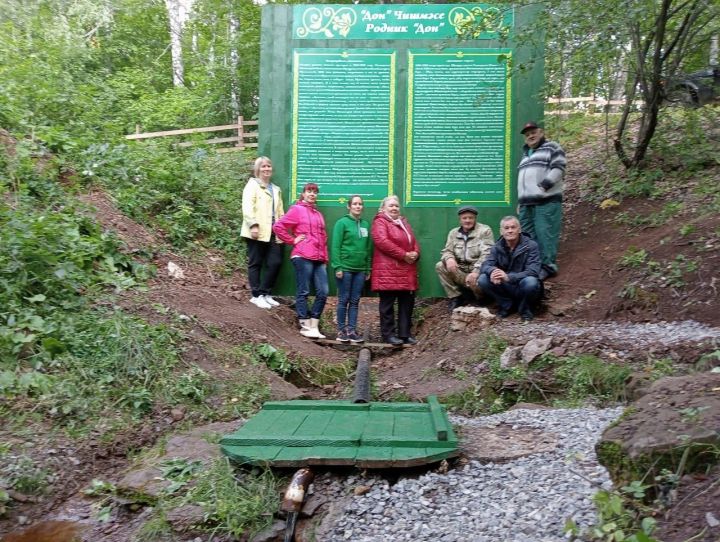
262,206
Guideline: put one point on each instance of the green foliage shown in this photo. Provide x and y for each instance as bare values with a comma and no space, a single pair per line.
275,359
235,503
178,471
633,257
562,381
194,197
587,376
319,372
474,400
21,473
620,519
247,397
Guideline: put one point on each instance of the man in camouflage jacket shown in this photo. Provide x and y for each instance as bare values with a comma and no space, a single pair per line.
466,248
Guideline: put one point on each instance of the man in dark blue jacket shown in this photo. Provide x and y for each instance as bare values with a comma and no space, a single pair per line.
510,273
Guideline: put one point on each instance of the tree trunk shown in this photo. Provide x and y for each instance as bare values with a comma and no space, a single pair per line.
178,14
234,61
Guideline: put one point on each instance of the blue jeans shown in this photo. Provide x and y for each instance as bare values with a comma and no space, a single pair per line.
522,294
349,289
305,272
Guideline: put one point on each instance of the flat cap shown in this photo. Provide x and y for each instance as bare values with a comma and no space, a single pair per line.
529,126
467,209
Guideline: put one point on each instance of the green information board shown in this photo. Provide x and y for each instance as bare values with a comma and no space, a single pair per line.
416,100
458,128
346,148
410,21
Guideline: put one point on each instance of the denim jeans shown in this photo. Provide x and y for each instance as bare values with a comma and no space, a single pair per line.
349,288
307,271
522,294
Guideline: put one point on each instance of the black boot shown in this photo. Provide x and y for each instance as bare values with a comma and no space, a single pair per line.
455,302
393,340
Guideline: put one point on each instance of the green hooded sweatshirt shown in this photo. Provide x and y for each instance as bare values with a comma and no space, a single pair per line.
351,245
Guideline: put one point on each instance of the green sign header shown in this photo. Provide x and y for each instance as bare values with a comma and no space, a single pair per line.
400,21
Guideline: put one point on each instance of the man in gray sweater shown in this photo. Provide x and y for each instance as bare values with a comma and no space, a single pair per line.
540,189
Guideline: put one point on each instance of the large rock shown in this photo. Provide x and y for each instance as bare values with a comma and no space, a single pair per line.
676,421
471,318
144,482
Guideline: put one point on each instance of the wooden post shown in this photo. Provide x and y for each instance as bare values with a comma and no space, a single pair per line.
241,135
137,128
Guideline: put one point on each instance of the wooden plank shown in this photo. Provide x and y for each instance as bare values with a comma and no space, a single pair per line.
293,441
413,427
402,442
302,404
315,423
379,425
208,141
379,429
333,342
252,454
182,131
400,407
281,423
234,149
259,422
439,420
348,424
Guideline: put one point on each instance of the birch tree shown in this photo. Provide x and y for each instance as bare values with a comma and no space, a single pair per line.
178,14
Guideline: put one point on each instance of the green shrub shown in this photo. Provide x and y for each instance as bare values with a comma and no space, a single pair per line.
193,196
236,503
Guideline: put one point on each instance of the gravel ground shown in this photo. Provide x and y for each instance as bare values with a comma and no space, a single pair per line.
524,500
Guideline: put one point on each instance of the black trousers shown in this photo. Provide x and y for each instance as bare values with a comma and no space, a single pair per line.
261,253
405,303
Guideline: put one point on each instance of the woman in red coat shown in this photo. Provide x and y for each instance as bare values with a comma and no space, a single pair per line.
394,271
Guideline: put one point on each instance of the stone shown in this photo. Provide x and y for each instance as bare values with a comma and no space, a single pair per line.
312,504
273,533
470,318
361,490
145,480
510,357
184,517
503,442
676,414
535,348
637,384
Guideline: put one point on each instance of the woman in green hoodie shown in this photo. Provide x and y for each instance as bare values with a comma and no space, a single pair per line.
350,259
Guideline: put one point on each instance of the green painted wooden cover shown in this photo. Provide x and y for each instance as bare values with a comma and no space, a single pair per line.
380,435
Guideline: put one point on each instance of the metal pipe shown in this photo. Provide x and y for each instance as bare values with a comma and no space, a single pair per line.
362,377
294,498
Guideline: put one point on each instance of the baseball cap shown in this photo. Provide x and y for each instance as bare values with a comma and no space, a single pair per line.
529,126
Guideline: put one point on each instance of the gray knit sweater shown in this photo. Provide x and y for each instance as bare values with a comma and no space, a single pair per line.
540,174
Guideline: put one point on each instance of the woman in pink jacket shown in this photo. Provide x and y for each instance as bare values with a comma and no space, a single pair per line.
394,271
303,227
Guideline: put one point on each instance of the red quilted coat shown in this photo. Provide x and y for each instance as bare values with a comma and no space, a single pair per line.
389,270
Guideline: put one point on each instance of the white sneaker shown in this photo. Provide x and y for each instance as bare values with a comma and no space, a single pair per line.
270,301
260,302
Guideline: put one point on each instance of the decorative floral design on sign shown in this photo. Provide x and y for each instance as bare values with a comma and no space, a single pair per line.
471,23
327,21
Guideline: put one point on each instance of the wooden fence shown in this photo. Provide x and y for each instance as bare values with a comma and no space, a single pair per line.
240,136
586,104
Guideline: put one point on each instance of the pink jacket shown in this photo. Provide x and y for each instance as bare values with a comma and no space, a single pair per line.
304,219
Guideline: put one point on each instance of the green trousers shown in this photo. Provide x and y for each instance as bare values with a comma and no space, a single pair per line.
542,223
